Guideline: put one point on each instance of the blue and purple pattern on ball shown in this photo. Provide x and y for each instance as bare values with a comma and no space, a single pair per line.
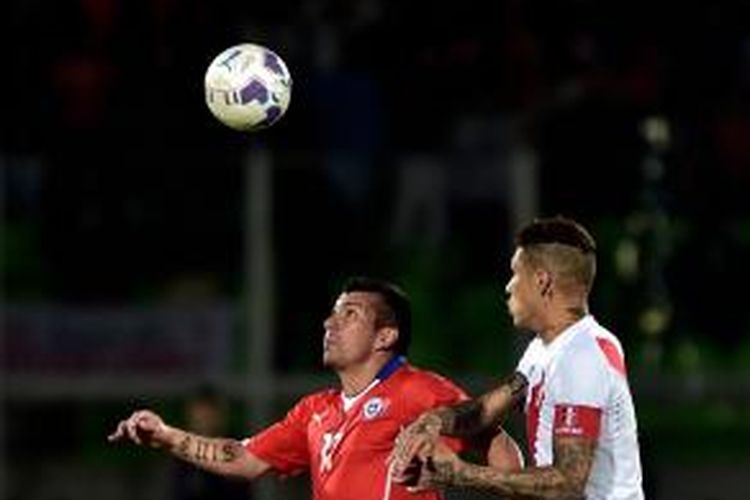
272,114
272,62
254,91
248,87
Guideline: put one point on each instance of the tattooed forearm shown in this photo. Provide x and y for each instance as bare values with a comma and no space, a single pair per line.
199,449
473,417
537,483
443,473
565,479
574,456
517,385
184,448
464,419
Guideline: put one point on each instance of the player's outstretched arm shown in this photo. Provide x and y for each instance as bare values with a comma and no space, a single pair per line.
485,412
468,419
218,455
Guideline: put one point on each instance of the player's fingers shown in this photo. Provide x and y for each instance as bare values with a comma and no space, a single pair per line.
395,459
132,431
401,460
397,444
410,450
123,430
423,482
425,451
118,433
397,453
417,447
426,478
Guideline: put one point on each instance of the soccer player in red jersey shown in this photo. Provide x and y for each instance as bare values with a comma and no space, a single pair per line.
572,380
341,436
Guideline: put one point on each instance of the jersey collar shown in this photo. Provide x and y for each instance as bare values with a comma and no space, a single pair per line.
386,371
391,366
570,332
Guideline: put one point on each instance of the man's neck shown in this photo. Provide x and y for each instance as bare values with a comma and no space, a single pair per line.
558,323
356,379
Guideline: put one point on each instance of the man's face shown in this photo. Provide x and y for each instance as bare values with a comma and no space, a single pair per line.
524,299
350,332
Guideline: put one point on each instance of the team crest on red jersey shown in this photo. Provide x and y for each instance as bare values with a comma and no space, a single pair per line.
374,408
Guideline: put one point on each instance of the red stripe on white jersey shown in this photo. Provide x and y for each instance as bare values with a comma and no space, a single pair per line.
532,418
613,355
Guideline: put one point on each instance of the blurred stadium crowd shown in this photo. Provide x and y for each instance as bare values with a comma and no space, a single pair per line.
410,124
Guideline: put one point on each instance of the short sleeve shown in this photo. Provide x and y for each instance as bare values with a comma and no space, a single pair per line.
530,355
284,445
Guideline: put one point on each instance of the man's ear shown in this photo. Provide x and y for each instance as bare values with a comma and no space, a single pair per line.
544,282
387,338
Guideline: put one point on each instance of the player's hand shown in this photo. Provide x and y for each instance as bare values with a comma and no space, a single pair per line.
439,470
143,427
413,446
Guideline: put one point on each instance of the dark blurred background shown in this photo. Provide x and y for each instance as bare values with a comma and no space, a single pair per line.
152,256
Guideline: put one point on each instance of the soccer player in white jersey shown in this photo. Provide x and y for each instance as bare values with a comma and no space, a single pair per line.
581,424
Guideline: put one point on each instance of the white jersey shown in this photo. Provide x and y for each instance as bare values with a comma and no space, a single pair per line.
578,387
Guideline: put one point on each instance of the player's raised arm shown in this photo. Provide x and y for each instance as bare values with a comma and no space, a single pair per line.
468,419
222,456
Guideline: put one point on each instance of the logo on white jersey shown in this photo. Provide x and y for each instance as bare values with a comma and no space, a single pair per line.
569,419
331,441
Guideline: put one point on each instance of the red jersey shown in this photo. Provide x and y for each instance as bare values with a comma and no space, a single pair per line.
345,445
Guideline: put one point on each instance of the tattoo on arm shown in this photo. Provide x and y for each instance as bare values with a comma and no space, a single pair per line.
463,419
203,451
473,417
200,449
517,384
184,447
443,473
574,457
231,451
565,479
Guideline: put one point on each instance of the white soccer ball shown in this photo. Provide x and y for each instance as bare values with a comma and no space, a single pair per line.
248,87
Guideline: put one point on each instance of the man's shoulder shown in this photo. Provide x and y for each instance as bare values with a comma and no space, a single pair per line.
415,390
533,354
412,378
588,341
322,397
534,347
589,354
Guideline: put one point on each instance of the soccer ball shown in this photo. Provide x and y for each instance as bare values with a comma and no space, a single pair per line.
248,87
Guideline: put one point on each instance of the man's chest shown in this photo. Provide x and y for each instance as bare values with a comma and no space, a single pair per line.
339,437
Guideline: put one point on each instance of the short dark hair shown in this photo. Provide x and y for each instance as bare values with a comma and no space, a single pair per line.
559,229
561,244
395,310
